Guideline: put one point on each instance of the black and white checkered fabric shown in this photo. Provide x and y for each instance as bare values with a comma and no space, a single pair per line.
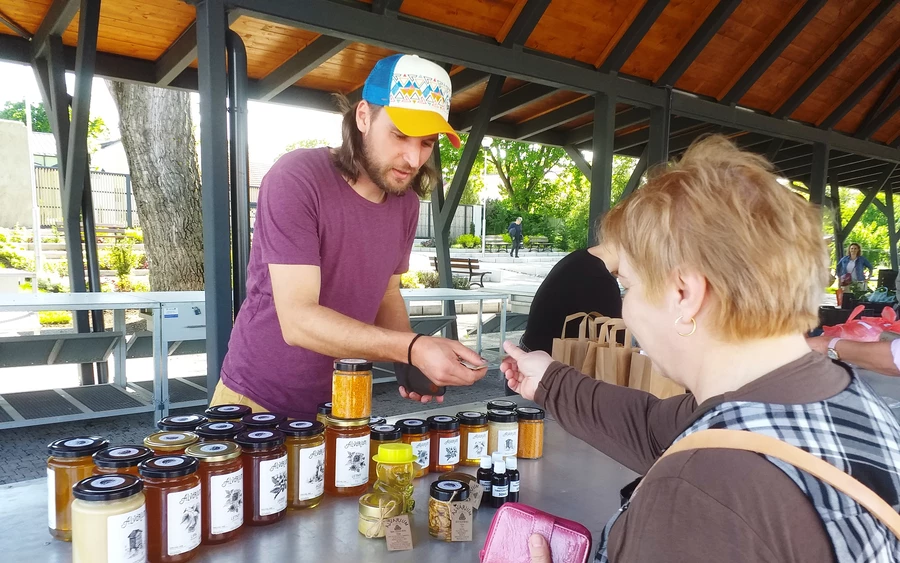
854,431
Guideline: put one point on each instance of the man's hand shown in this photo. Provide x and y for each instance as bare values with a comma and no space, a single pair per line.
524,370
438,359
416,397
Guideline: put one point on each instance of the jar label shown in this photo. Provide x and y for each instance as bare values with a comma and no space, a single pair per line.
514,486
226,502
422,451
351,461
183,519
213,448
169,461
272,486
231,408
443,419
221,426
311,476
51,498
500,492
448,452
78,442
122,452
184,418
476,445
108,482
301,424
126,537
260,435
508,441
171,437
264,417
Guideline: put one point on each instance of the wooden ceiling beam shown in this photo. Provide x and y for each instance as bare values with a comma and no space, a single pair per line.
507,103
14,26
525,22
55,22
871,81
636,32
695,45
877,122
180,54
299,65
557,117
882,99
629,117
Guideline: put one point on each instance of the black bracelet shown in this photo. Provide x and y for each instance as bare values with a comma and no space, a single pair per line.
409,351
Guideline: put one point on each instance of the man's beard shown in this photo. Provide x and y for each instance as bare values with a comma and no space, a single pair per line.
379,173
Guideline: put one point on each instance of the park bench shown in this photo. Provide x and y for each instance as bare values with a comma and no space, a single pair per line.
541,243
467,267
495,241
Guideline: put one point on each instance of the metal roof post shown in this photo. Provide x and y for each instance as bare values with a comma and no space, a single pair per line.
819,173
601,165
239,161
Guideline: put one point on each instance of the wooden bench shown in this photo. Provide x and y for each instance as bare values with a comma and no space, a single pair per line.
464,266
541,243
101,231
496,241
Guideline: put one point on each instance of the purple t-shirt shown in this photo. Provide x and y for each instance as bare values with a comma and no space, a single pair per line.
308,215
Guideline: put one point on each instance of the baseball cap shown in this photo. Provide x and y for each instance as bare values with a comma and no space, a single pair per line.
415,93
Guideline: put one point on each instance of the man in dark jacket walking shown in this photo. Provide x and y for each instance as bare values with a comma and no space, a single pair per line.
515,233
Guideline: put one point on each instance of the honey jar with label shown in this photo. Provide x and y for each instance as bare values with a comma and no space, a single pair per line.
380,434
473,437
346,456
503,432
531,433
219,431
414,431
121,459
181,423
70,461
109,520
262,420
305,445
174,512
323,411
221,473
232,413
444,433
265,476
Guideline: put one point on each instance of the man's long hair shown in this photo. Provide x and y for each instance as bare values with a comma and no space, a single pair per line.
348,158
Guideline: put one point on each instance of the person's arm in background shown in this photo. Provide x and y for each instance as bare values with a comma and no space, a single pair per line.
880,357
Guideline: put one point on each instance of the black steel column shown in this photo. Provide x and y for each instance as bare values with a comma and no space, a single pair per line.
93,262
601,165
238,141
129,220
213,87
819,173
441,242
836,212
658,146
891,224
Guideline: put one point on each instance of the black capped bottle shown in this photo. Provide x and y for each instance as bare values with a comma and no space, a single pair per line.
484,476
499,485
512,471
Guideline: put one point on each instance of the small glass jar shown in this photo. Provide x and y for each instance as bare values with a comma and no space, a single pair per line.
374,509
473,437
172,488
265,476
170,443
501,405
263,420
219,431
181,422
121,459
232,413
221,473
376,420
443,493
380,434
351,389
503,432
444,434
323,411
109,520
305,444
69,462
346,456
414,431
531,433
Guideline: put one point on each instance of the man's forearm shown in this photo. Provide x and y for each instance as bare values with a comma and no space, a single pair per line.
392,314
873,356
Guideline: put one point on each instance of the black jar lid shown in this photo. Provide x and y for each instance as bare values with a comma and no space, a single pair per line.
168,466
412,426
227,412
260,439
376,420
449,490
324,408
118,457
472,418
181,422
502,416
352,364
223,430
530,413
77,446
501,404
382,432
301,428
107,487
263,420
443,422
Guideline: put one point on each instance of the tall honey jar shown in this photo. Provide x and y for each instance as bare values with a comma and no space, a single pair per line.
120,459
444,434
262,420
70,461
414,432
109,520
305,444
346,456
380,434
351,389
531,433
181,422
221,473
219,431
232,413
265,476
174,512
503,432
473,437
170,443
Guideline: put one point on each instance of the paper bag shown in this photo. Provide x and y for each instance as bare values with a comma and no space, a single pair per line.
590,359
614,360
645,376
571,351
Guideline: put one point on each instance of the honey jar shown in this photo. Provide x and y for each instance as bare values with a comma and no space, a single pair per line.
414,432
501,405
221,473
531,433
181,423
444,435
380,434
69,462
120,459
219,431
374,509
473,437
262,420
323,411
170,443
503,432
109,520
351,389
443,493
172,489
346,456
232,413
305,445
265,476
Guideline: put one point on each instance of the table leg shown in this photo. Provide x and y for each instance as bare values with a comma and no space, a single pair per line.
478,326
503,305
121,348
160,367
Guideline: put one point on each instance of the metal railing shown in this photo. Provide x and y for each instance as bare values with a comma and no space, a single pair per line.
114,203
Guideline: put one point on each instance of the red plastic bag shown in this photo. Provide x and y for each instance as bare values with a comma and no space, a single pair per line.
864,329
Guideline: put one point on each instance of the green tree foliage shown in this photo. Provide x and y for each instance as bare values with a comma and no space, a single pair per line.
15,111
304,144
449,162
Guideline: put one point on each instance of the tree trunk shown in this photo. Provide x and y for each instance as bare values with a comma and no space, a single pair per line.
157,134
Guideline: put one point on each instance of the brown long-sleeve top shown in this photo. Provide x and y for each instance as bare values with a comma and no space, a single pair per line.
703,505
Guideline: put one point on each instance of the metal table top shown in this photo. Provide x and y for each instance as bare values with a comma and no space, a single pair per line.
89,300
446,294
572,480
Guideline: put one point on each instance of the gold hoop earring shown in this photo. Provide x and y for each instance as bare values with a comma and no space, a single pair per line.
693,327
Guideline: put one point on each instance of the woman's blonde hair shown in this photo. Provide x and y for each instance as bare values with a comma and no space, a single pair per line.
720,211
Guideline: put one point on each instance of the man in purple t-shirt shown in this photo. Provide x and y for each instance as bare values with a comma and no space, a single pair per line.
334,230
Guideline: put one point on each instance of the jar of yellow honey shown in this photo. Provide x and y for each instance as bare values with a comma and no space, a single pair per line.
351,389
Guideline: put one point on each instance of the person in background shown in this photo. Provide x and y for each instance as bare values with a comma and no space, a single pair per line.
698,299
516,234
850,270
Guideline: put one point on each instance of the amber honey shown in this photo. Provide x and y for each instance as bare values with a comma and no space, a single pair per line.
69,462
173,497
351,389
347,456
265,476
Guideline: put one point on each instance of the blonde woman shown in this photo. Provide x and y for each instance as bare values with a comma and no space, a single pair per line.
692,248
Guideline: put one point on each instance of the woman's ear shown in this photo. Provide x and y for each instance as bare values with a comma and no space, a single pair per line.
691,288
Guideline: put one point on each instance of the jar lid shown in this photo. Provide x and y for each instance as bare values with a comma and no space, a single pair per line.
379,505
107,487
502,416
347,422
260,439
412,426
224,430
227,412
324,408
77,446
168,466
383,432
376,420
211,452
460,476
263,420
395,454
530,413
181,422
119,457
170,439
472,418
352,364
443,422
301,428
449,490
501,404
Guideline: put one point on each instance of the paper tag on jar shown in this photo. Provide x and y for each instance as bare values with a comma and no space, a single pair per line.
461,516
475,493
398,533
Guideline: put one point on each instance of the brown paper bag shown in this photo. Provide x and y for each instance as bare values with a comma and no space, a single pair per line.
644,375
571,351
614,361
590,358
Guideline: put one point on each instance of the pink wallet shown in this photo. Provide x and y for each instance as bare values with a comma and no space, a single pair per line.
514,523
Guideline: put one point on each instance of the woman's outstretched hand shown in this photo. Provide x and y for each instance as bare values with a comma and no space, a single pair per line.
524,370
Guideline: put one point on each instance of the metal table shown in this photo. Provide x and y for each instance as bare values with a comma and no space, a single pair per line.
572,481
